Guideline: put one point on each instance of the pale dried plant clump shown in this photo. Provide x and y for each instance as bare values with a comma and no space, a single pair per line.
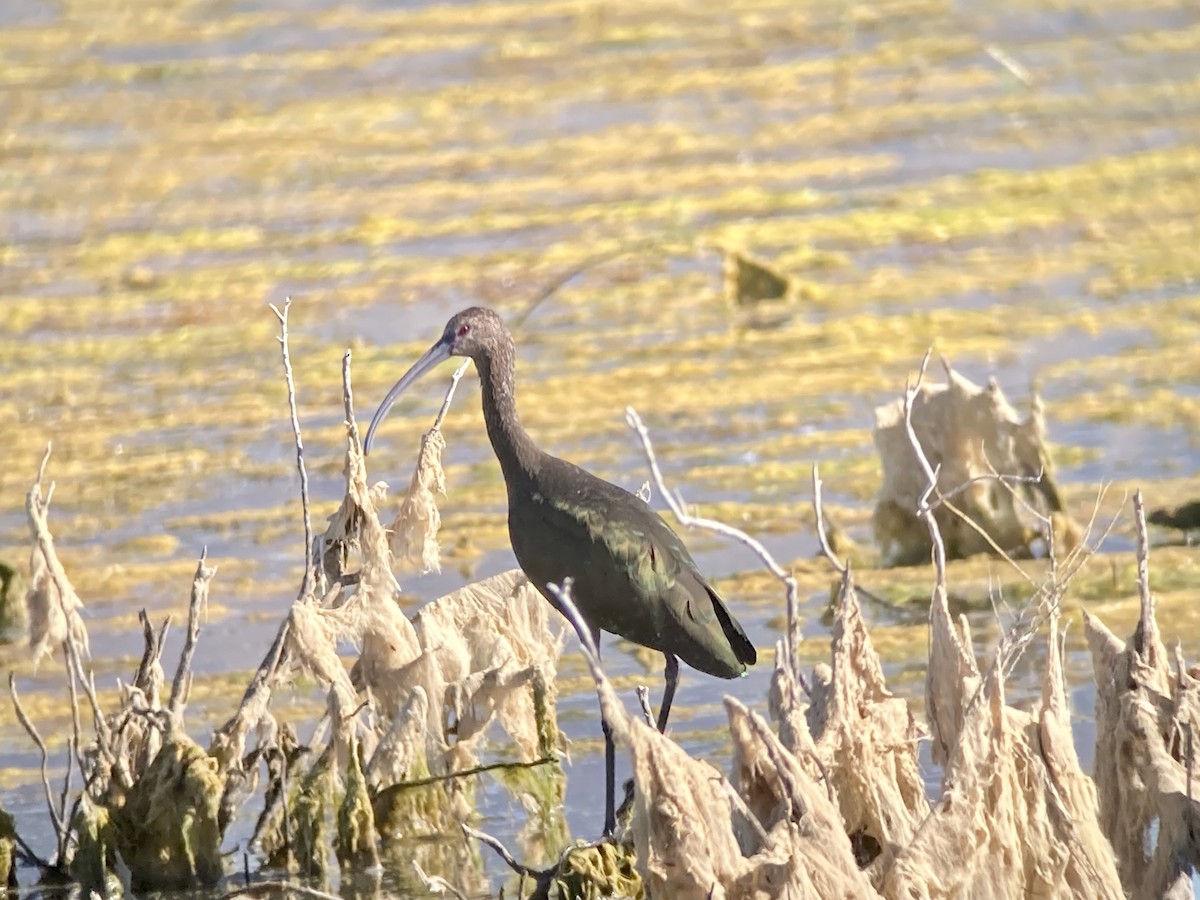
832,805
972,435
53,606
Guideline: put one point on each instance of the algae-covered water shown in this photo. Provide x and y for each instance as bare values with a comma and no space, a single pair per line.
1018,188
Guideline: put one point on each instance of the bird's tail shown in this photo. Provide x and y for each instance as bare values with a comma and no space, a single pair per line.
742,648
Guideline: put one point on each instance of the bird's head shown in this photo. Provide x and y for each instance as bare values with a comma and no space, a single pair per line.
472,333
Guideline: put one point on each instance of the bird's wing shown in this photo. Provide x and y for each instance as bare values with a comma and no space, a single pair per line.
685,615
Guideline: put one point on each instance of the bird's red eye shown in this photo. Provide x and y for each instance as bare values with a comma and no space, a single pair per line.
462,329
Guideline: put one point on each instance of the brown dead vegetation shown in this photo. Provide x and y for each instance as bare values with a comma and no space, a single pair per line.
976,442
826,802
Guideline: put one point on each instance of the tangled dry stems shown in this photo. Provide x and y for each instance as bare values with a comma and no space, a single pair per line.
828,802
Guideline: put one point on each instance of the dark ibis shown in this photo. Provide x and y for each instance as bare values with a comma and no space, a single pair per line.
631,574
1185,518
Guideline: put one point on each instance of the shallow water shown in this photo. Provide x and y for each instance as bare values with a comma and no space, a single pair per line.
170,167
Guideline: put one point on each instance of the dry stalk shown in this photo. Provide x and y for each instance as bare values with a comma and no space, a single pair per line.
467,773
1146,638
1047,596
454,380
348,402
61,829
436,884
643,695
542,878
74,637
822,538
182,684
306,588
924,507
842,568
228,742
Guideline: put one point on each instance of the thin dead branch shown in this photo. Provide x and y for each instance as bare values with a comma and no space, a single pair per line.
542,878
436,884
842,568
181,685
61,829
307,585
467,773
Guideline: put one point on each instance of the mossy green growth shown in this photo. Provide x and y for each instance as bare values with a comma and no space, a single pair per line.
357,844
12,601
542,791
544,713
167,829
605,870
8,845
406,811
95,838
306,841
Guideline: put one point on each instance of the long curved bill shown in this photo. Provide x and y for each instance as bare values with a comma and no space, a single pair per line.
435,355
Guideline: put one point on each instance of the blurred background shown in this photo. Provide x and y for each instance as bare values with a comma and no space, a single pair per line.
1013,185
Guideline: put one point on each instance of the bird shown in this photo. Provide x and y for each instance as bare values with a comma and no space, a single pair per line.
630,573
1185,518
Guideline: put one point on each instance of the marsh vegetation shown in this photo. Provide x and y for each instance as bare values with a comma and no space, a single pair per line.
1017,188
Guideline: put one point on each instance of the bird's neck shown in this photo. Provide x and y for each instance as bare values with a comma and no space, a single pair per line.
519,456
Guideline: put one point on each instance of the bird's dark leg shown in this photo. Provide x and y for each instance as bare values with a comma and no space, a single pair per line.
671,673
610,764
610,781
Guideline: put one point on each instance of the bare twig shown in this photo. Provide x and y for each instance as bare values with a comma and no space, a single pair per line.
467,773
307,585
822,538
60,830
143,678
643,695
454,380
76,728
587,642
1145,638
348,402
87,680
228,741
541,877
841,568
436,884
690,521
181,686
924,508
72,750
1007,480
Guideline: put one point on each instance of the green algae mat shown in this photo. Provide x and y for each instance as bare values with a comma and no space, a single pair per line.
1018,188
